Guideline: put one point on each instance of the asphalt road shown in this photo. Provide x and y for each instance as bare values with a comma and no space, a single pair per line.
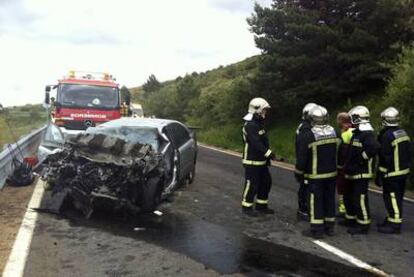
203,233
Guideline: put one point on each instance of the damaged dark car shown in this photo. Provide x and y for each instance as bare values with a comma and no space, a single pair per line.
127,164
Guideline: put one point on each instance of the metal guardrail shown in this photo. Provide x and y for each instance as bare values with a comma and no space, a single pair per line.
28,145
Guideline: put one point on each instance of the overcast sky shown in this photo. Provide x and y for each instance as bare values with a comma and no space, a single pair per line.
40,40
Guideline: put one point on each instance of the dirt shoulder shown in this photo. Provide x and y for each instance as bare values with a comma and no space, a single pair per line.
13,205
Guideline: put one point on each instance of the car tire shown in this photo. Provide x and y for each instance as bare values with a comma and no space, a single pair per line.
151,195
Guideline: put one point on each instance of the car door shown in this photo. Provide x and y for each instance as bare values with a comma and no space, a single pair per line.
186,148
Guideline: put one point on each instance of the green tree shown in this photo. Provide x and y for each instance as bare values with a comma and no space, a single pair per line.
187,90
327,50
152,84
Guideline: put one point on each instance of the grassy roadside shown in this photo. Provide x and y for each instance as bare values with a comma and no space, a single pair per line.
281,136
22,121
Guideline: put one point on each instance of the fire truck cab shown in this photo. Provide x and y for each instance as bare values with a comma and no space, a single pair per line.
85,99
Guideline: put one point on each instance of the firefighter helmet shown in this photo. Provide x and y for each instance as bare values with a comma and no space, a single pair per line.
390,117
318,116
359,114
258,105
306,110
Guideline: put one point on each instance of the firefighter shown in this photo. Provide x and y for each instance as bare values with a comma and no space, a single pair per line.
303,127
359,171
345,126
317,155
256,159
124,110
393,169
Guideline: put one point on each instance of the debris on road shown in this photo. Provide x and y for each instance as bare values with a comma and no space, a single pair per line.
137,229
159,213
100,170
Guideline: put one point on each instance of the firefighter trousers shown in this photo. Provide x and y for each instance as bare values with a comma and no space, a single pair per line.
321,203
257,187
356,202
303,196
393,194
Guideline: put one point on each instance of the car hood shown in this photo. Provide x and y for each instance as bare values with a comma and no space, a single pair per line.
108,149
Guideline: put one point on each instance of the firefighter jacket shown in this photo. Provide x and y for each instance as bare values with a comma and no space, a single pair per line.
256,143
316,154
364,148
303,126
395,153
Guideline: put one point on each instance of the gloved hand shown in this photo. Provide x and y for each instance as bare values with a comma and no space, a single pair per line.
272,157
299,178
379,179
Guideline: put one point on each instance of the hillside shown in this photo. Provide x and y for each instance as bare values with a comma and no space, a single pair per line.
222,95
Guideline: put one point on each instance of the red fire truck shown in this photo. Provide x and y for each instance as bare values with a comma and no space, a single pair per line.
85,99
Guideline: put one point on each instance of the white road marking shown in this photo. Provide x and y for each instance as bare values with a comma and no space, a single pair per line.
280,165
351,259
21,247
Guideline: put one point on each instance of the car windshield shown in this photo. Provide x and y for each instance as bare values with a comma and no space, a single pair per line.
88,96
143,135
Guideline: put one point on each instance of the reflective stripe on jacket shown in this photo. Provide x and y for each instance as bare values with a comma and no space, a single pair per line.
256,143
364,148
317,153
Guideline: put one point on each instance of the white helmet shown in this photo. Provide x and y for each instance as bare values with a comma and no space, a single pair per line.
318,116
257,105
390,117
306,110
359,114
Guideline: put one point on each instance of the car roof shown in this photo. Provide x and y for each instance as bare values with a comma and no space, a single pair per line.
139,122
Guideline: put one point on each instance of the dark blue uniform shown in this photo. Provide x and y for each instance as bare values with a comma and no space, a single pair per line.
359,170
256,158
316,161
393,169
304,127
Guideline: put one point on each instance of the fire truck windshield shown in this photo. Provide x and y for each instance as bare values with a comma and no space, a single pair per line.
77,95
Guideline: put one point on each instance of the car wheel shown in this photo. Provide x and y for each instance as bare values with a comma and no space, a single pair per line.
151,195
